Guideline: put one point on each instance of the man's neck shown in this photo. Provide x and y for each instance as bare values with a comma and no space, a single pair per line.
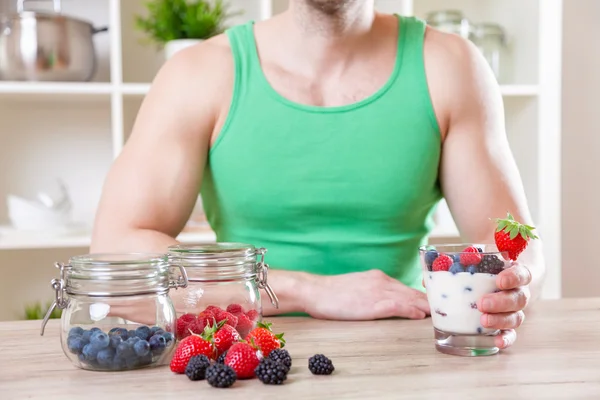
332,19
327,40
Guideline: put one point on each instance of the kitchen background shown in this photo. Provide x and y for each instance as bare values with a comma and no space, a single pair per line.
58,139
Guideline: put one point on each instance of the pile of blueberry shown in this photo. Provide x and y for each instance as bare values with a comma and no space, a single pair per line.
119,349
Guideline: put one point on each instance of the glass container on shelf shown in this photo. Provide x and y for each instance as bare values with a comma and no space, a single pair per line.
224,285
451,21
117,312
491,40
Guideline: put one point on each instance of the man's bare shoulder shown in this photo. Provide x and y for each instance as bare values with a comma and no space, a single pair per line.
455,69
208,62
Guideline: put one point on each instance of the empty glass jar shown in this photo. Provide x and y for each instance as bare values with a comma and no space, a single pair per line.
491,41
451,21
225,280
117,311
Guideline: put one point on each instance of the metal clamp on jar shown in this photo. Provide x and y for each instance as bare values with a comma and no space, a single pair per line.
224,285
117,311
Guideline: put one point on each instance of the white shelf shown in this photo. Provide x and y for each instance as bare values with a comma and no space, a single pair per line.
141,89
55,88
135,89
11,239
519,90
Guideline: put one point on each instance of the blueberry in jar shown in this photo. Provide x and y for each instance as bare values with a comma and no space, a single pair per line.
105,357
122,332
75,344
125,350
89,352
141,348
100,340
115,340
76,330
158,344
168,337
143,332
86,335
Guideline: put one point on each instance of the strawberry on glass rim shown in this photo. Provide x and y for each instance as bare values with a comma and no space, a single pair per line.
512,237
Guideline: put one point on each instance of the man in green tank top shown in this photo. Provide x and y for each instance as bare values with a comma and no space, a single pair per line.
326,134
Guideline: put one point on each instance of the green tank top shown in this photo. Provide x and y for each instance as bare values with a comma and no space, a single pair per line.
328,190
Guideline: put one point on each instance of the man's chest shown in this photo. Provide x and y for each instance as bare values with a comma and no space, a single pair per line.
339,88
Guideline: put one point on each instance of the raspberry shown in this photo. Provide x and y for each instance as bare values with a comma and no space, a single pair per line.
213,309
470,256
244,325
182,325
252,315
234,309
320,365
206,318
442,263
270,372
229,318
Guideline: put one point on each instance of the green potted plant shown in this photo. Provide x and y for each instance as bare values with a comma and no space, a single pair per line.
177,24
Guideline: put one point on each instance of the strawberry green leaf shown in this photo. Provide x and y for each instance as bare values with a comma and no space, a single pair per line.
279,337
514,231
501,225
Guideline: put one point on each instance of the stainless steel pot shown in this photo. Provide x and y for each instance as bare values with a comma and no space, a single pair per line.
46,46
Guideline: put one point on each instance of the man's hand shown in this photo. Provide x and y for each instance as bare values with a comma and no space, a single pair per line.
504,310
363,296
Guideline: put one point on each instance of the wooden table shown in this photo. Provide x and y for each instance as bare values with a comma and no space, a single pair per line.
557,356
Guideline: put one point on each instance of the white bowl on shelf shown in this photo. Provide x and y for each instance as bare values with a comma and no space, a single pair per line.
31,215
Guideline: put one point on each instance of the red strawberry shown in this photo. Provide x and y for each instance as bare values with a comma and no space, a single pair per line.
252,315
263,337
512,237
229,318
470,256
243,359
182,325
234,309
244,325
442,263
193,345
225,337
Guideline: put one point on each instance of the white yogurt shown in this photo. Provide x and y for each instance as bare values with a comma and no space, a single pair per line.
453,300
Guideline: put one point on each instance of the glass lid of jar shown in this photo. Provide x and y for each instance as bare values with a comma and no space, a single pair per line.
214,248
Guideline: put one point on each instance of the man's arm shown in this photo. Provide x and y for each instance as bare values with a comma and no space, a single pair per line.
151,189
479,176
152,186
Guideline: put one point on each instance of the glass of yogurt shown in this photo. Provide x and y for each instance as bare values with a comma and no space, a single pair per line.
456,276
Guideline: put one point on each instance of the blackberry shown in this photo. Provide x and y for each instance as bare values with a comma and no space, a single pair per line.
221,359
491,264
320,365
220,375
271,372
196,368
281,356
